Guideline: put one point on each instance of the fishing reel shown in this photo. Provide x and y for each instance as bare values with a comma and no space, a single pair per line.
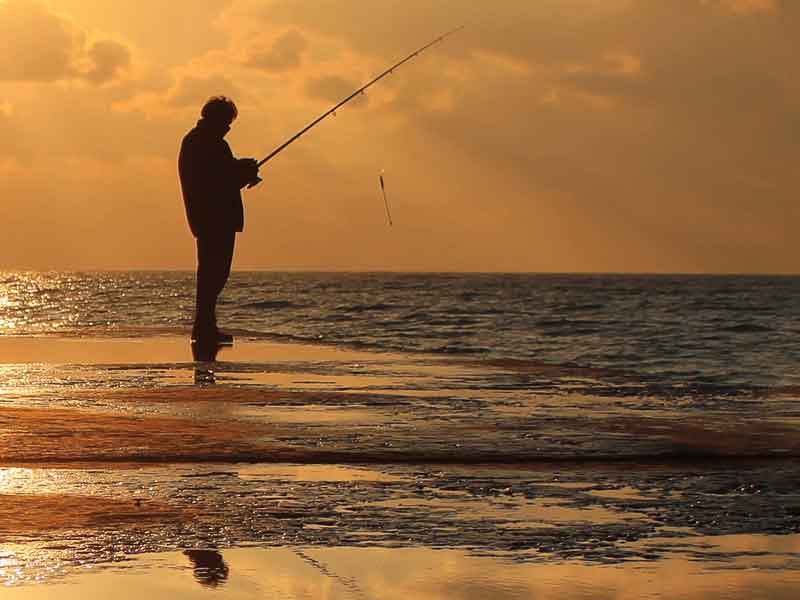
249,172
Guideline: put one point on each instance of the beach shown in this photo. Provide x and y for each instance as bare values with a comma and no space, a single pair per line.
298,470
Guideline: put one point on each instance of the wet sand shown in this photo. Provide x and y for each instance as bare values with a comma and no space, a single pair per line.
307,471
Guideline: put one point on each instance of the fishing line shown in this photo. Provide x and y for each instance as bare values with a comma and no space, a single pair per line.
360,90
385,199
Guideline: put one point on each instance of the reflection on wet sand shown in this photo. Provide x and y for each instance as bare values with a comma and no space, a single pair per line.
43,513
418,573
210,570
205,355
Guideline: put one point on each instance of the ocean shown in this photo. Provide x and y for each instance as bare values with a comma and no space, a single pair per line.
673,334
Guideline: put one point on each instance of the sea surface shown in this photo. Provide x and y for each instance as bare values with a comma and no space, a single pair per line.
723,334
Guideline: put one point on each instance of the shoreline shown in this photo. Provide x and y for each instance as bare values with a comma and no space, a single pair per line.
386,453
286,402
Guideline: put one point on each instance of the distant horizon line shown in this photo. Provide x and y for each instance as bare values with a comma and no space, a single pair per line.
415,272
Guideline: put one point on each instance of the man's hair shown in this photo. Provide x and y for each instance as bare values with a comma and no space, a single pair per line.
219,109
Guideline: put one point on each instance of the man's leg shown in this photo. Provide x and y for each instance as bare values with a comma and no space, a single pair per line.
226,244
214,257
204,299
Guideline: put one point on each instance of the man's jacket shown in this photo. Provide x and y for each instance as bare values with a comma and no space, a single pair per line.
211,180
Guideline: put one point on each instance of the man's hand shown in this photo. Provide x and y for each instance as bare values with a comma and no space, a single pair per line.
249,170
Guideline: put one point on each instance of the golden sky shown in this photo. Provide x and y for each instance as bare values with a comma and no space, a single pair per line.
549,135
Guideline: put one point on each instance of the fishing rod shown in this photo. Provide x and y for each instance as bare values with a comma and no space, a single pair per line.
360,90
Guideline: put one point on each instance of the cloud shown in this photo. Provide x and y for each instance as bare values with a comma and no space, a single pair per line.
40,46
109,59
37,45
332,88
284,53
747,7
6,131
614,75
193,91
546,30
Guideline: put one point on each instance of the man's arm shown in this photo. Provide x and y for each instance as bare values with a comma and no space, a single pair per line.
239,171
248,172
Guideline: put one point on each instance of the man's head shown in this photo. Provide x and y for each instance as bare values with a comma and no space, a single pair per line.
219,112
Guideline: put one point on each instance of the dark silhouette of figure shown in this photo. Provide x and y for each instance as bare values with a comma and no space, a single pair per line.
211,181
210,569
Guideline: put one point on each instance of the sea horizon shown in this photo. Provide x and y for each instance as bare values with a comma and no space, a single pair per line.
191,269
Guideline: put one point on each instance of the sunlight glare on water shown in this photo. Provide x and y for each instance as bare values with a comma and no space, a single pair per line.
7,323
48,302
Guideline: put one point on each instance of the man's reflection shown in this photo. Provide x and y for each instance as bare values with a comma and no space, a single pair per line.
210,570
205,355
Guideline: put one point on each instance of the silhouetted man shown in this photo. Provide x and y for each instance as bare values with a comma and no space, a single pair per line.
211,180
